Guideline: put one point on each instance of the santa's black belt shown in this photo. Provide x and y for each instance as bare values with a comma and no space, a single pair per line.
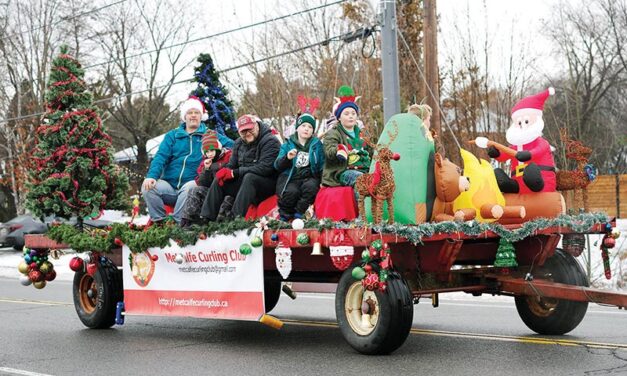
520,168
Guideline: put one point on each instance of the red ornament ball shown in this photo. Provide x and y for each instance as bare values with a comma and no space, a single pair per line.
202,236
371,282
76,264
36,276
609,242
118,242
91,268
51,276
368,268
154,257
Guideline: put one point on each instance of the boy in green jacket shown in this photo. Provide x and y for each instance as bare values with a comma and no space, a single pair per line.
346,154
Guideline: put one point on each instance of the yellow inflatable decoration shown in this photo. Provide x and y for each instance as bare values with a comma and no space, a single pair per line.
484,194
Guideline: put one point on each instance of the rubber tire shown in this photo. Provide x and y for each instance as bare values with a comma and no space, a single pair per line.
111,291
272,292
567,314
395,317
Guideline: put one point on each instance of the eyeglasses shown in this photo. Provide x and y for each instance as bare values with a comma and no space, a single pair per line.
246,131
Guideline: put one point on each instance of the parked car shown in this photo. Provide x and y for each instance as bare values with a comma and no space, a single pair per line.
12,232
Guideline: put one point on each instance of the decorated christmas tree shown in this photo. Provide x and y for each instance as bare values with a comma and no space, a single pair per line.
214,96
505,255
72,172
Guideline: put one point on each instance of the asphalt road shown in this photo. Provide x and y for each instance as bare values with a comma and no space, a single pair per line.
40,334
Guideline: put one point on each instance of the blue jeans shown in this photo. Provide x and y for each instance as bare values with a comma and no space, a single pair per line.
348,179
164,193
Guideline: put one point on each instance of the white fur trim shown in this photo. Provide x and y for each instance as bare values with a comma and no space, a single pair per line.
551,91
192,103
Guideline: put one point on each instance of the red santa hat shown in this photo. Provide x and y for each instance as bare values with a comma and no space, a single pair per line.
193,103
533,101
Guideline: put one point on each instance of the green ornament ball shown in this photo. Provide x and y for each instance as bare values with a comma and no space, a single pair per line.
245,249
365,256
256,241
358,273
377,244
302,239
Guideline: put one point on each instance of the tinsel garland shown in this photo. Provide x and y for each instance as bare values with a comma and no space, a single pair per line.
140,238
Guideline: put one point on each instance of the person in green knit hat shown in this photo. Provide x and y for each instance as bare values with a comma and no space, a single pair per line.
300,162
347,155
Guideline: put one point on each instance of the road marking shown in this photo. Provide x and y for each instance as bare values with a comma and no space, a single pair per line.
37,302
490,337
13,371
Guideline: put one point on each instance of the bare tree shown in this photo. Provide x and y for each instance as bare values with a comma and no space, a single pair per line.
588,38
150,28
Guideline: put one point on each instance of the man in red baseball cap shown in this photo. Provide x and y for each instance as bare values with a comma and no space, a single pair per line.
249,176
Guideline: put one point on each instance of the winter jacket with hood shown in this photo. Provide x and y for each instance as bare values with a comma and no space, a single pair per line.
316,159
257,157
178,156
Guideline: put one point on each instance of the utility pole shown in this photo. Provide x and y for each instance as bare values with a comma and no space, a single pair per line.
432,73
389,61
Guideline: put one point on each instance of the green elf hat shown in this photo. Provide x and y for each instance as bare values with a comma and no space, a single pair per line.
346,99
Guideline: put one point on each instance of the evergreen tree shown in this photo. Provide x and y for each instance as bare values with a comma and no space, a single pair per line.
213,94
72,172
505,255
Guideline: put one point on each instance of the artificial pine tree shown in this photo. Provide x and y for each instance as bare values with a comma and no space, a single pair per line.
505,255
214,96
72,172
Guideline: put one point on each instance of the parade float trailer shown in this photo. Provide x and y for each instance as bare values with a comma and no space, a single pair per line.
379,275
442,239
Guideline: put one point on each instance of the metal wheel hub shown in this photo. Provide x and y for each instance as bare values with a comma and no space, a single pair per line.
88,293
361,309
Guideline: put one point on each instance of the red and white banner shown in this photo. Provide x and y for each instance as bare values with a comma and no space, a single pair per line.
211,279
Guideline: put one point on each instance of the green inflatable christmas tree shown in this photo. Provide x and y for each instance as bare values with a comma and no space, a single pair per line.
413,173
72,172
213,95
505,255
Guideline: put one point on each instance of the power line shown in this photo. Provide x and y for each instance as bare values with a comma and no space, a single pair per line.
235,67
216,34
63,19
222,33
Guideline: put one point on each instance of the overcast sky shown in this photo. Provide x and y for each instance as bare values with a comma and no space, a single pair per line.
503,19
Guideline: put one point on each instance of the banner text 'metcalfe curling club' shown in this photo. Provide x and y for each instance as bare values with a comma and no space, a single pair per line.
211,279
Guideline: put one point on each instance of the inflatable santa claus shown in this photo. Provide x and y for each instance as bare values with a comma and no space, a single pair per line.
532,164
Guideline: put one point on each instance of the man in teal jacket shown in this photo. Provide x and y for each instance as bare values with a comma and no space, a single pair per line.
173,169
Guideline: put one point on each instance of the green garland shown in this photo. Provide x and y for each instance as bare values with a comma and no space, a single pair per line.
140,238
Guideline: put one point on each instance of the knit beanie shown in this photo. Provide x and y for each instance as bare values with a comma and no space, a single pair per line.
346,97
306,118
210,142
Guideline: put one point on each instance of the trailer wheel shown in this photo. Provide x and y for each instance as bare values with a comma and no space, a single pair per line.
271,293
555,316
386,327
96,297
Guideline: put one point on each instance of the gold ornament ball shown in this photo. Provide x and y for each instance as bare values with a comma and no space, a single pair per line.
23,268
45,268
39,285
